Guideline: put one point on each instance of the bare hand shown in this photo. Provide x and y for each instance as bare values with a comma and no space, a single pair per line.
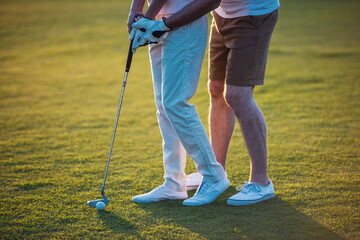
133,17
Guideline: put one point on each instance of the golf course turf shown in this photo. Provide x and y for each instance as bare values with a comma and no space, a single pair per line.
62,65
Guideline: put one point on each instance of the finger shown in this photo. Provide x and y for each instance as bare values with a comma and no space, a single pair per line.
142,42
138,35
139,41
129,25
134,24
147,43
135,45
132,34
130,21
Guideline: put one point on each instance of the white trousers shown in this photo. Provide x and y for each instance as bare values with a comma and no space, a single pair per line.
176,64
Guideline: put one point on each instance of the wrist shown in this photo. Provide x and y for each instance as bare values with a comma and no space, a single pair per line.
135,12
147,16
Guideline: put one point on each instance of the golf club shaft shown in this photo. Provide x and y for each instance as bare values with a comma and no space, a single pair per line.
127,69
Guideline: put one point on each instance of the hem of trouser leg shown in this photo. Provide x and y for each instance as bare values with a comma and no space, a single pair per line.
174,186
213,179
244,83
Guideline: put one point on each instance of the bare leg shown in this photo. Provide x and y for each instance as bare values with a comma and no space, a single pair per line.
222,121
253,128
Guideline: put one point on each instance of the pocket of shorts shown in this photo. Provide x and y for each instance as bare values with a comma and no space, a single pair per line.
259,20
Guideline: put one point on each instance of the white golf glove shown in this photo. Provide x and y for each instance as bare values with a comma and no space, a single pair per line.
146,31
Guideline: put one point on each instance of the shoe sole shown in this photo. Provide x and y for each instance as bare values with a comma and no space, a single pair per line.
249,202
189,188
157,200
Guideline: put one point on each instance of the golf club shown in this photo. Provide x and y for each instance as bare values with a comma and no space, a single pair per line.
105,200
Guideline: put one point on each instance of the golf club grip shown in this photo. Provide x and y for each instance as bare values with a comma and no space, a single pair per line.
129,58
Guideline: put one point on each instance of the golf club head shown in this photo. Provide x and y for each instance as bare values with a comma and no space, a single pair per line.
93,203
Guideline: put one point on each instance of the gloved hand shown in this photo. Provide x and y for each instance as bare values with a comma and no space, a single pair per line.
135,36
146,31
133,17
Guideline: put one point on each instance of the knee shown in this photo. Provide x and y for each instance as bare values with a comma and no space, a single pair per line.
168,105
171,106
216,89
238,101
177,110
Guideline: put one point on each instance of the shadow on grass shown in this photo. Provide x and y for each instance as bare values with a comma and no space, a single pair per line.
273,219
117,224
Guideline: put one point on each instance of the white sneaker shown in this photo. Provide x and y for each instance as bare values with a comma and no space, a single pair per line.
159,194
193,181
251,193
207,193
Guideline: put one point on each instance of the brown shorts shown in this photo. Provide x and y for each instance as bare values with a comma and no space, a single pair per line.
239,48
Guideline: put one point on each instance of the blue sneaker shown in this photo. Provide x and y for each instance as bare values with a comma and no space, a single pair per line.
251,193
207,192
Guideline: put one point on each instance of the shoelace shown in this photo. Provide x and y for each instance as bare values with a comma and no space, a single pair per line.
203,188
248,187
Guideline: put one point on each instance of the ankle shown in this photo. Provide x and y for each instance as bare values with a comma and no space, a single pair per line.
261,182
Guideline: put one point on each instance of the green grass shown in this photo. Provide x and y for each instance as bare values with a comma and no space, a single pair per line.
61,72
